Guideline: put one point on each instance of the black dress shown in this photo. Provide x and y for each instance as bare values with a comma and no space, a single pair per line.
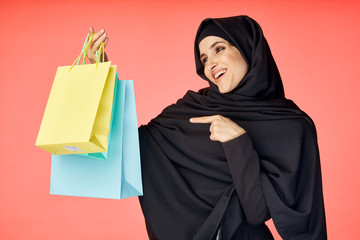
195,188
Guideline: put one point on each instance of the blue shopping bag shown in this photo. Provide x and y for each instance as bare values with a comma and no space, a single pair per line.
117,177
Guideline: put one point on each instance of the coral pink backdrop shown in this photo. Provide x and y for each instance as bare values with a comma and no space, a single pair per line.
315,44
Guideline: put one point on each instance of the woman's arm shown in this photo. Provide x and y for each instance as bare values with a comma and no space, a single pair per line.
244,165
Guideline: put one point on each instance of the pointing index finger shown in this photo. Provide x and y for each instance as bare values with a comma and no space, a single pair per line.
203,119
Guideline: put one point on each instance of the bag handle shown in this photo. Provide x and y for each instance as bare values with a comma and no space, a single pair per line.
85,50
86,41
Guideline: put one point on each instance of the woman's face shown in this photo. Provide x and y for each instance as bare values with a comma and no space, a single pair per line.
223,63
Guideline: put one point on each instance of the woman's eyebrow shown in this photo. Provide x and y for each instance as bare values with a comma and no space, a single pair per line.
212,46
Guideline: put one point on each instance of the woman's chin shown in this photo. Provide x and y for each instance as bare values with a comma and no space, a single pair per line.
224,89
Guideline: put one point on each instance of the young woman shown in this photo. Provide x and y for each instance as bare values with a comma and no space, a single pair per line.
223,160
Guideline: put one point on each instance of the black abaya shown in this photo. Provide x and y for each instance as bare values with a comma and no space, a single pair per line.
195,188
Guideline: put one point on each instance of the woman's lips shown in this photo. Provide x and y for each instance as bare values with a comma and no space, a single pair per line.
219,75
219,79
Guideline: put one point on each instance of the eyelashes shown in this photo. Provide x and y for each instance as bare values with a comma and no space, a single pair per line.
217,50
204,60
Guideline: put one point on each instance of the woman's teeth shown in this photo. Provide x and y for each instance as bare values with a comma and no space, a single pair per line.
218,74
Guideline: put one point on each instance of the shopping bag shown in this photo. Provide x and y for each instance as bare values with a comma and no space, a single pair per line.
78,112
103,155
117,177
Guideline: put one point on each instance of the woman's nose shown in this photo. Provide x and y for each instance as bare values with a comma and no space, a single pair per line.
211,65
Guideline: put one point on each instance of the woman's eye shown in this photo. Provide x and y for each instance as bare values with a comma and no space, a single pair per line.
218,49
204,60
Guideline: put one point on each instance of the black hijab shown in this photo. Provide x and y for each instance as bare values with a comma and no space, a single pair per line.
186,175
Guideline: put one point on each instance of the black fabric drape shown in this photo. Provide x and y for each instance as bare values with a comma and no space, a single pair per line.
185,174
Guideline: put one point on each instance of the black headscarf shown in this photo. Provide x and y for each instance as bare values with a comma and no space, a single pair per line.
186,175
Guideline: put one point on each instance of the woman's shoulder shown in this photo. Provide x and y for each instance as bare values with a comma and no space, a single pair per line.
200,92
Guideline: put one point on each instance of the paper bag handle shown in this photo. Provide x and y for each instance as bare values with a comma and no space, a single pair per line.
85,49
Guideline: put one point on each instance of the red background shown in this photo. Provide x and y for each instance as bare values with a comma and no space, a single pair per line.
316,47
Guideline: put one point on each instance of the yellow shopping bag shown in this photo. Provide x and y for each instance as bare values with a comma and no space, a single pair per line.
78,112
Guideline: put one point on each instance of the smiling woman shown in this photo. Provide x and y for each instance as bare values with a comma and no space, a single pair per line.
224,64
259,161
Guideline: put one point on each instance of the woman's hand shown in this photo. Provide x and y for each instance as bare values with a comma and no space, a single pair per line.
98,38
222,129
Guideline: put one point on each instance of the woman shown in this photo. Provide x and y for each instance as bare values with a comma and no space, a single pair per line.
259,161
